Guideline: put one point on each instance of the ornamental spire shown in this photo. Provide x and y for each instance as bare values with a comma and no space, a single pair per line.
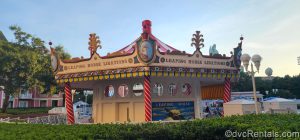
197,40
94,43
52,50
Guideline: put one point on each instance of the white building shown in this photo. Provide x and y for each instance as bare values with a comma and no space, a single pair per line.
280,105
240,107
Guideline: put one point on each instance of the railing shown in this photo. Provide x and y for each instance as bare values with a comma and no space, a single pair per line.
50,119
279,111
25,96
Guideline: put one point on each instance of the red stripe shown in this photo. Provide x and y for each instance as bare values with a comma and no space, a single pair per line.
69,104
147,98
226,97
227,91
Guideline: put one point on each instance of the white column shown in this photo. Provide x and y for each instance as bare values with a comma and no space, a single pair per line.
197,103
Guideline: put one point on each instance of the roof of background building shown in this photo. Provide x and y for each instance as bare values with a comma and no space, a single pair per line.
241,101
278,100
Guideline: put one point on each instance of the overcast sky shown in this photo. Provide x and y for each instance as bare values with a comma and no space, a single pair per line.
270,28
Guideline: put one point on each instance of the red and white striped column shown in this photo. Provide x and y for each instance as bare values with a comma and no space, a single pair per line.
69,104
147,99
227,92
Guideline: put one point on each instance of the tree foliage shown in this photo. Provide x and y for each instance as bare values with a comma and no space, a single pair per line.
25,63
287,86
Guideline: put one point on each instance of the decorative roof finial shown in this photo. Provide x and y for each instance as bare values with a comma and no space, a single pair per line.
241,39
197,40
52,50
94,43
146,26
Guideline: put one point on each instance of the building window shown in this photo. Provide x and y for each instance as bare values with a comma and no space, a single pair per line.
24,91
186,89
54,103
158,89
123,90
43,103
23,104
172,89
138,89
109,91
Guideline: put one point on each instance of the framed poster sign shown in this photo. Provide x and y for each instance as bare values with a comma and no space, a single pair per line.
167,111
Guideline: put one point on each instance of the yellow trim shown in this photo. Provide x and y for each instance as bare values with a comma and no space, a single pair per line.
111,76
182,74
204,75
176,74
80,79
188,74
66,80
153,73
85,78
209,75
159,74
134,74
101,77
128,75
71,79
117,76
91,78
141,73
123,75
147,73
96,77
165,74
75,79
171,74
219,76
106,76
193,74
198,74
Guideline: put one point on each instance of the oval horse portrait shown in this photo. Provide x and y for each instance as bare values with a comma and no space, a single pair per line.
146,52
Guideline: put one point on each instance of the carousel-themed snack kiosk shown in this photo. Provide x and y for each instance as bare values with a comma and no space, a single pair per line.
148,80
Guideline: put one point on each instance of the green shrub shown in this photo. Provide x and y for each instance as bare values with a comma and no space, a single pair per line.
190,130
21,111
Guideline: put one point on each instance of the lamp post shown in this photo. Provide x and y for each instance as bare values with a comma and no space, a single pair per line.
73,91
256,60
267,92
275,91
85,94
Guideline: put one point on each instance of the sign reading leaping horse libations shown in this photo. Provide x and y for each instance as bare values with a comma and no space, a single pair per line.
99,64
194,61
